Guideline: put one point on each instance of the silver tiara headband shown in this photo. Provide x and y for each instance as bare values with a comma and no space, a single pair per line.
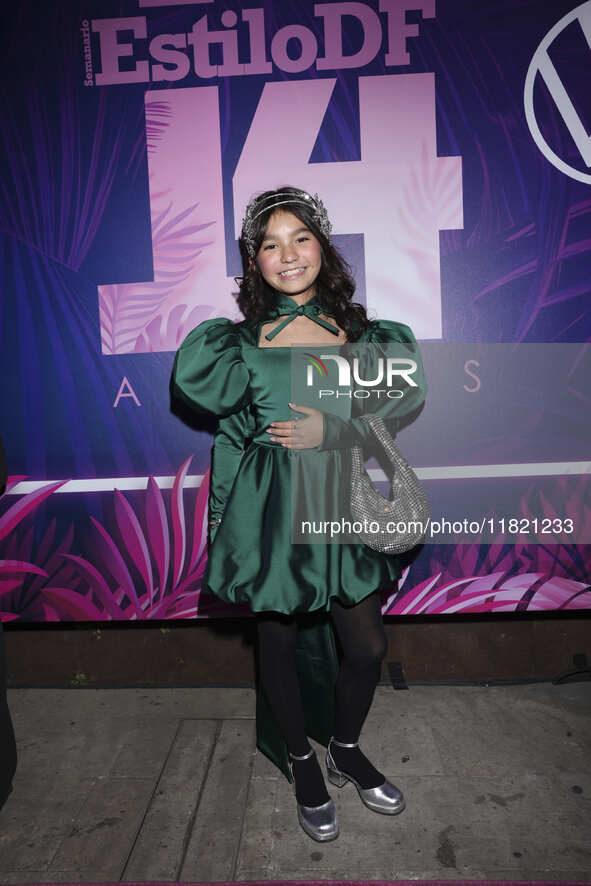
257,206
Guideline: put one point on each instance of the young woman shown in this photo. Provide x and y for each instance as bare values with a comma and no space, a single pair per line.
296,290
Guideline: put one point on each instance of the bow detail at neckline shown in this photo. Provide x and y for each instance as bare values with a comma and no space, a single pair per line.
311,309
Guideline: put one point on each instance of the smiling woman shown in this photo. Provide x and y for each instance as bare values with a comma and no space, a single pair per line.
296,289
290,256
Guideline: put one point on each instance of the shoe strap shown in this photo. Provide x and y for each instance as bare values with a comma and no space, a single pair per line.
343,745
305,757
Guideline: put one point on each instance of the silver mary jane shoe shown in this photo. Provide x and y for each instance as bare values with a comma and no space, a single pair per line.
319,822
386,798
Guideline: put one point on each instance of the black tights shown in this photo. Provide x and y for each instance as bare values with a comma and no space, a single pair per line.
360,629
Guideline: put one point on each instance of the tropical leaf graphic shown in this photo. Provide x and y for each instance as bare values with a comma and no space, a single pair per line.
57,193
487,593
165,333
21,579
149,564
135,316
158,116
149,567
126,309
547,267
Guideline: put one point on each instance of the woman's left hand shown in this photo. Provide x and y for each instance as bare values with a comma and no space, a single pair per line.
302,433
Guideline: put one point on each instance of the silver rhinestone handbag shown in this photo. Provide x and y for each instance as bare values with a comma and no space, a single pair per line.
407,508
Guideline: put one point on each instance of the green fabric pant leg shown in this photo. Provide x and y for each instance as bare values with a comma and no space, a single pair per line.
317,665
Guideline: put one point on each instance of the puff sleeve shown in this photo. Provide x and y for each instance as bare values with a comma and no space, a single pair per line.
386,338
209,374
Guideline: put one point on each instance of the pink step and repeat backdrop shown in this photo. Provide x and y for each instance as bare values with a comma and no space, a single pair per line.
450,143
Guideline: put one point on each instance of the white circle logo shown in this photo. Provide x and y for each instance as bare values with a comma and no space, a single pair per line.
542,64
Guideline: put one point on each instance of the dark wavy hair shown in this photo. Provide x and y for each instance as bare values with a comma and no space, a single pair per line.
335,285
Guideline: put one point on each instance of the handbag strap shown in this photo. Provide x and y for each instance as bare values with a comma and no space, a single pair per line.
383,435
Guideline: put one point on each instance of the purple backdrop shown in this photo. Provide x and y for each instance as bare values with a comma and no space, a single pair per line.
450,145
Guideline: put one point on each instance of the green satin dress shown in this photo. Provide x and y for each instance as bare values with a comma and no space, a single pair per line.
220,369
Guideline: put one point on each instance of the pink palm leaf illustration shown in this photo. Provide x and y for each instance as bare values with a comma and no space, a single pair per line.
127,308
487,593
16,587
151,565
